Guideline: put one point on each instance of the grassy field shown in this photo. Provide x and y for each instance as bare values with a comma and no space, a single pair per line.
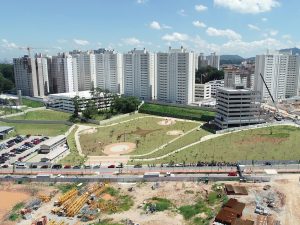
272,143
73,158
181,142
145,132
44,114
37,129
125,118
8,111
31,103
177,112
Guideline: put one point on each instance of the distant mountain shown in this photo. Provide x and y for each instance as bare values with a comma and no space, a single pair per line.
294,50
231,59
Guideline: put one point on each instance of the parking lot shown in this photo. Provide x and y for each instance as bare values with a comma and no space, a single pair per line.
19,148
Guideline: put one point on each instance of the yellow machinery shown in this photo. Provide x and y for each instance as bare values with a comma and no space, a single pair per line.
69,202
53,222
44,198
62,199
77,205
107,206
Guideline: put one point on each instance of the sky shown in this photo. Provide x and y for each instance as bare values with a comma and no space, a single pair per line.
243,27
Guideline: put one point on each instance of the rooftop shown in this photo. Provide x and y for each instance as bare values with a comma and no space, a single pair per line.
5,128
81,94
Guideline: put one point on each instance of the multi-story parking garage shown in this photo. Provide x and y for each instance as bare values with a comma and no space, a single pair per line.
237,107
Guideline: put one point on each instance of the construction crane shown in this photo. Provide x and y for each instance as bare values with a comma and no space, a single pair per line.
29,49
277,115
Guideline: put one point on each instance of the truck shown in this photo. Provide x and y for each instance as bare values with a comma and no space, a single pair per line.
151,174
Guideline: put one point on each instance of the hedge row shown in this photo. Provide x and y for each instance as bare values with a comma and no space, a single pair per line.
177,112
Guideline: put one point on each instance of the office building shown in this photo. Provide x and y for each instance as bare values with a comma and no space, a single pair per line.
139,74
281,74
202,92
86,69
31,75
215,84
63,73
109,70
176,76
237,107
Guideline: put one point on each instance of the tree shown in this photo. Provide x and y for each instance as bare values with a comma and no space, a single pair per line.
126,104
7,80
76,106
89,110
208,73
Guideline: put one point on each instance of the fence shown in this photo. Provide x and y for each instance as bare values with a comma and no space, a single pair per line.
37,121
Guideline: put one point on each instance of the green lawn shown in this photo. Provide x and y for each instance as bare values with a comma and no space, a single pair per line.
44,114
144,131
38,129
73,158
31,103
187,112
181,142
272,143
122,119
8,111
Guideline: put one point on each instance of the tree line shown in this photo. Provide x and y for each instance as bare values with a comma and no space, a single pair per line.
7,79
208,73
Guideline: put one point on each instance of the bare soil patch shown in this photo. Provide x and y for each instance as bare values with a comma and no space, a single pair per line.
107,197
139,131
167,122
119,148
175,132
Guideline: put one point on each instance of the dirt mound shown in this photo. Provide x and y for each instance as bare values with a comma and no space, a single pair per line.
175,132
119,148
107,197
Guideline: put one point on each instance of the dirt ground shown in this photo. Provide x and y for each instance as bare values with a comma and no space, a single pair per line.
175,132
119,148
167,122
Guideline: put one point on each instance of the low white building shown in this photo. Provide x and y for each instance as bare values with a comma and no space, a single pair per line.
215,84
202,92
52,143
65,101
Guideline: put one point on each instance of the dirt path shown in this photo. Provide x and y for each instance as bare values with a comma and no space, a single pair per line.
289,185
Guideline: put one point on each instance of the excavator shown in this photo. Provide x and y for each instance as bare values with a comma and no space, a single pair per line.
277,115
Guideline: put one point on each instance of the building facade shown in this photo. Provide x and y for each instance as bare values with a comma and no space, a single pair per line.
281,74
31,76
238,76
139,74
202,92
215,84
237,107
109,71
176,76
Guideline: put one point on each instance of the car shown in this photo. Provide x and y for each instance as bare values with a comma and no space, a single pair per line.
67,167
232,174
119,166
111,166
4,166
57,166
76,167
44,167
33,166
96,167
87,167
137,166
268,163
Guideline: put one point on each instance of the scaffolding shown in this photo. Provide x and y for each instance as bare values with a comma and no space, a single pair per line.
62,199
77,205
53,222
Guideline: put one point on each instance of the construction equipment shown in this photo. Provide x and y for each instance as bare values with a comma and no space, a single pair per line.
277,115
41,221
29,49
44,198
62,199
77,205
53,222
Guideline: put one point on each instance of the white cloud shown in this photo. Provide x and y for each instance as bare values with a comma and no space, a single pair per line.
157,26
199,24
81,42
264,19
175,37
211,31
8,45
273,32
286,36
200,8
248,6
141,1
253,27
132,41
61,41
182,12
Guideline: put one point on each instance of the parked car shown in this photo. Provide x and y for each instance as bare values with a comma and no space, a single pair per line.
76,167
5,166
232,174
44,167
111,166
137,166
67,167
87,167
57,166
96,167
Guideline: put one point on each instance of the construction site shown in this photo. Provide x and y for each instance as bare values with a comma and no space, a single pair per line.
175,203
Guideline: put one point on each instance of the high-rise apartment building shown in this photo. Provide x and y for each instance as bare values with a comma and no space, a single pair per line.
63,73
176,76
31,75
215,85
236,76
109,71
281,74
86,69
139,74
213,60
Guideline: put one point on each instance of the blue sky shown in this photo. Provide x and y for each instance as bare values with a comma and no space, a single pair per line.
244,27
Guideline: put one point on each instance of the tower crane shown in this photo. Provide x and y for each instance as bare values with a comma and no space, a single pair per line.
29,49
277,115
